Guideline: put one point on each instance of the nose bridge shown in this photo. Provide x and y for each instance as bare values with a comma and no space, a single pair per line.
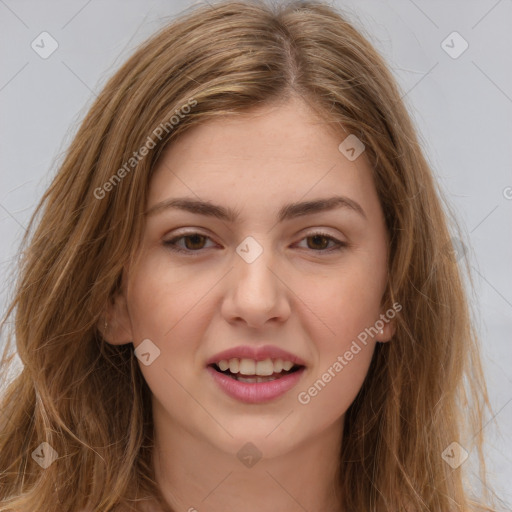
256,292
253,268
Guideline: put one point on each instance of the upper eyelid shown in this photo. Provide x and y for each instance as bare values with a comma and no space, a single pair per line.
197,231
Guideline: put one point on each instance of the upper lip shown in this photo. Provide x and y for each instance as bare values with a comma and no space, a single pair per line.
256,353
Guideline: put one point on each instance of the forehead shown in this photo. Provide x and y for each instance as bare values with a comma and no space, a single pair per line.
286,132
272,155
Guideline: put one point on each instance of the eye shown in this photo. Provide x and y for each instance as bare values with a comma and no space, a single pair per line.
194,242
196,239
319,238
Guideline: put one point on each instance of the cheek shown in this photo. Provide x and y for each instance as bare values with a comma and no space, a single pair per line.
347,302
328,395
170,307
164,306
344,350
163,296
348,305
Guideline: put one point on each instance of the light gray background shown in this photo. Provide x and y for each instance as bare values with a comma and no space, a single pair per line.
462,108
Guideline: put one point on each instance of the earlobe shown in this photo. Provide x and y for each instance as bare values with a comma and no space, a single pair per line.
115,324
387,332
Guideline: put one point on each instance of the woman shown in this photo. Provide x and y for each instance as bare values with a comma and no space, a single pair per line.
241,291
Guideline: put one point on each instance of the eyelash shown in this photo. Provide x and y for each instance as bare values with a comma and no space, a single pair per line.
171,244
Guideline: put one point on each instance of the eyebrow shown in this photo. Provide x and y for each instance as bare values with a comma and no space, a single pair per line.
287,212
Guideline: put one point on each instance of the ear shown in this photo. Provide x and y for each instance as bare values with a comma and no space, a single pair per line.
388,332
115,325
388,329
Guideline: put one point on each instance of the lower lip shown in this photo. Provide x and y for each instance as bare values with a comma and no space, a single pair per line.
256,392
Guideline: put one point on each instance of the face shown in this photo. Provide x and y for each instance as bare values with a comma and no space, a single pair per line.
309,284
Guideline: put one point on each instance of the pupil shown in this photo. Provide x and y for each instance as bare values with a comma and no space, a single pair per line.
192,237
316,237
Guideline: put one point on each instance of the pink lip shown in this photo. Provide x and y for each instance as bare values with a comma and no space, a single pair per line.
256,353
258,391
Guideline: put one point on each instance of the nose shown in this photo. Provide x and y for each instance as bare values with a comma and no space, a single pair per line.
256,293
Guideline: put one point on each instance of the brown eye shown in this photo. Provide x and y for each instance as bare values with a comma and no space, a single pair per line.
318,242
194,242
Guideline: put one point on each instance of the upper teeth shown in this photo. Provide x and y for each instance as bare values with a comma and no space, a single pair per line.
252,367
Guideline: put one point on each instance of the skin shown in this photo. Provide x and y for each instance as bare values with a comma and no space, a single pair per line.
308,302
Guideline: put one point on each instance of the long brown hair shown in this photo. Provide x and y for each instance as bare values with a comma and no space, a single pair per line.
424,390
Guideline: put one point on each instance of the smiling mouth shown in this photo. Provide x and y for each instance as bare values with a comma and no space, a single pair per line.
256,378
